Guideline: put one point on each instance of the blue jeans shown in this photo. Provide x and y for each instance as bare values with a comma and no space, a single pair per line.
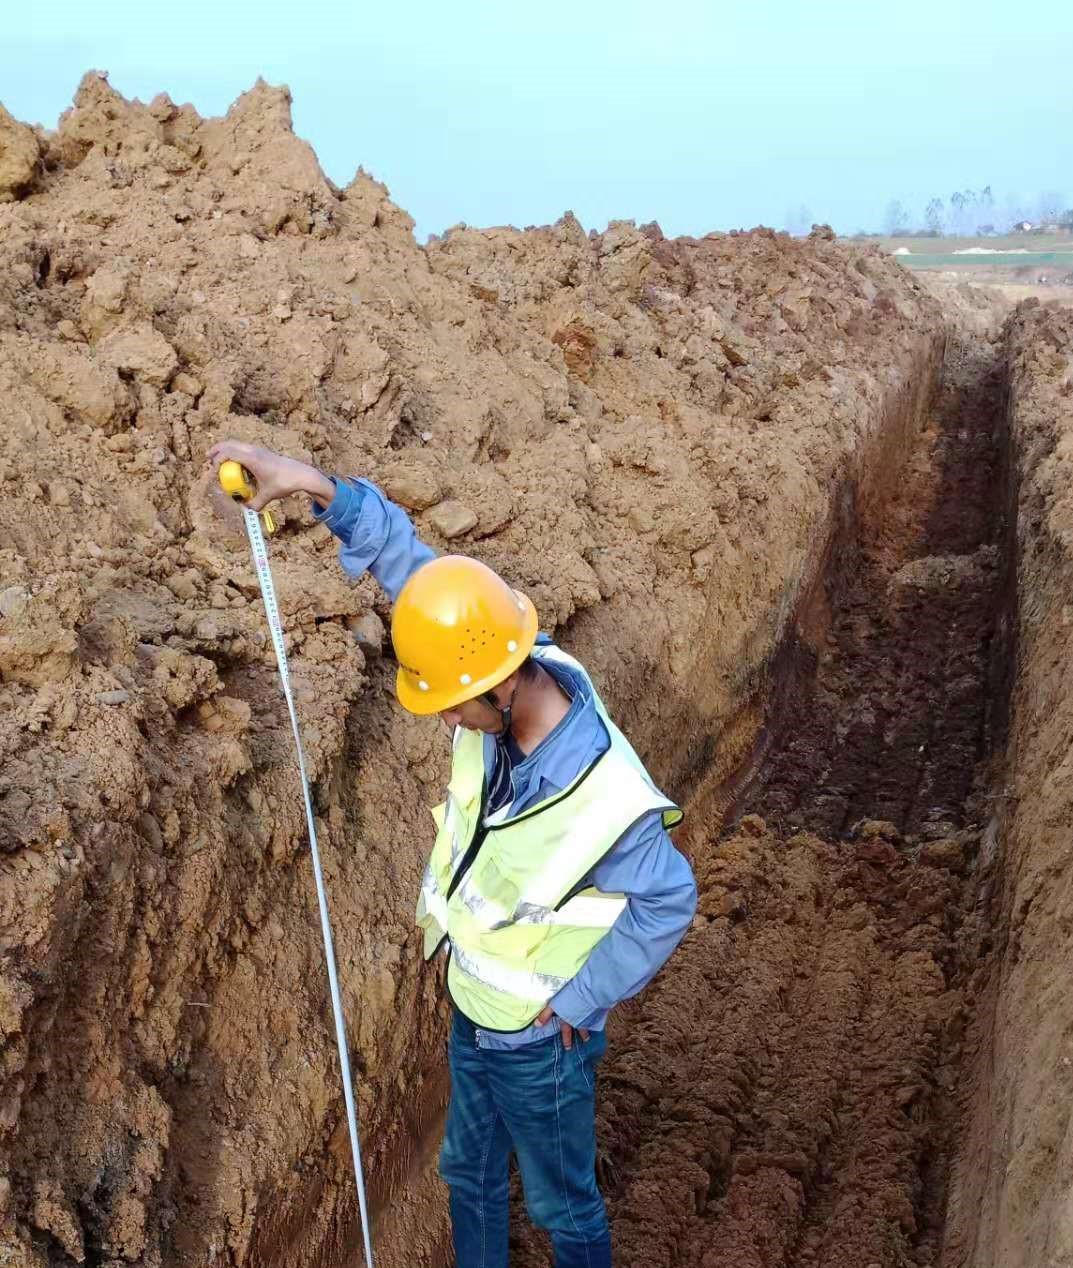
539,1102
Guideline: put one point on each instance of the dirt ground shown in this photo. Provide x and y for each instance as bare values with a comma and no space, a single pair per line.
785,1094
1003,285
1015,292
726,473
1009,1203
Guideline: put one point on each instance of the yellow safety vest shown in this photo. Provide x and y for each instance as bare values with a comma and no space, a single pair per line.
504,890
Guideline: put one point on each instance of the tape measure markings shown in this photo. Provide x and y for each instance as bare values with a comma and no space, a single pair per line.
275,625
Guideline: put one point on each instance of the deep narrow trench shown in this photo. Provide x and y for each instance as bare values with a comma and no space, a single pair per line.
895,717
785,1096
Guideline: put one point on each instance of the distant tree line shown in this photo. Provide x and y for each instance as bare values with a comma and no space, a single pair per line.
970,211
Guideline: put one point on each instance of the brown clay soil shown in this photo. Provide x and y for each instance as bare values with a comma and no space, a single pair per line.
1013,1167
723,471
784,1095
646,435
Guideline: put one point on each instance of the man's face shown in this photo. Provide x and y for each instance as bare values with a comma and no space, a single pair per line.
473,715
478,715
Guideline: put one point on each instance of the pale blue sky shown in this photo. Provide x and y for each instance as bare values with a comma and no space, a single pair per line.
698,115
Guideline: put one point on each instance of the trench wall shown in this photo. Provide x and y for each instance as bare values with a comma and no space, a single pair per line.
1010,1197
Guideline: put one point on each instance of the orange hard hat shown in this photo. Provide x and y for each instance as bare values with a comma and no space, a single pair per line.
459,630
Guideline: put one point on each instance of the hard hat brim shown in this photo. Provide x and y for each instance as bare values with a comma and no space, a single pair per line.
425,702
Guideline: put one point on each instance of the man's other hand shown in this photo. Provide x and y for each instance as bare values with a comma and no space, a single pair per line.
567,1030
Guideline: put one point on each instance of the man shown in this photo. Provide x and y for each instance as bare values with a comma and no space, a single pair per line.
552,882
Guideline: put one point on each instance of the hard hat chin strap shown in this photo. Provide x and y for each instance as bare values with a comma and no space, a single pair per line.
504,714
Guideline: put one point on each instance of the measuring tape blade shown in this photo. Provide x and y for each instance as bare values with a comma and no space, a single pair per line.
275,625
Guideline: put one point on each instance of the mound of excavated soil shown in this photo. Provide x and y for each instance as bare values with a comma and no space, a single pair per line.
654,438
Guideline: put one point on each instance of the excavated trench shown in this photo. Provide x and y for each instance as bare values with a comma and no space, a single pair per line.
645,433
786,1094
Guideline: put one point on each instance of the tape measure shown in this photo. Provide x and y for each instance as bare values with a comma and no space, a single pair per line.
239,484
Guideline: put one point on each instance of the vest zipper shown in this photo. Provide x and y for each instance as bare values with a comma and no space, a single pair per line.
472,850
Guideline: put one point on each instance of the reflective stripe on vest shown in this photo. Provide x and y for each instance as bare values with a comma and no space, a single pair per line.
518,926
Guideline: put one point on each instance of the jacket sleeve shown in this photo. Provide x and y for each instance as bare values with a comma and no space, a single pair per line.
662,899
374,534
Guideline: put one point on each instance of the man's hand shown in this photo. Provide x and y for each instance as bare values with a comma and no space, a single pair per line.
276,476
567,1030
